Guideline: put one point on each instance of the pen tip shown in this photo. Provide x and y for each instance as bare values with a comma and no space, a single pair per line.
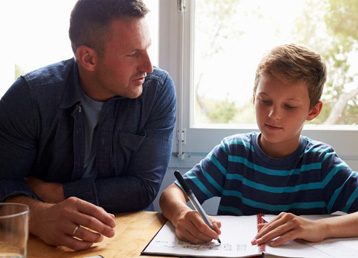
219,240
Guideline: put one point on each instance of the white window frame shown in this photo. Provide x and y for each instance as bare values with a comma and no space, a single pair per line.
191,144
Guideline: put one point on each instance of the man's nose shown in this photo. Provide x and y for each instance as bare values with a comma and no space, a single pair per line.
146,63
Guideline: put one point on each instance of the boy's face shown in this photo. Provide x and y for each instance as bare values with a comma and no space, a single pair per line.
282,107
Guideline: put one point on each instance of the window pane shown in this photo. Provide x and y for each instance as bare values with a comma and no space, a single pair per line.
36,35
231,36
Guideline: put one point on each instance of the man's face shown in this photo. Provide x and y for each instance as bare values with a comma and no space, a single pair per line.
282,107
122,68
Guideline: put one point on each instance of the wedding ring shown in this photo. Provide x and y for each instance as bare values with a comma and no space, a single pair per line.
75,230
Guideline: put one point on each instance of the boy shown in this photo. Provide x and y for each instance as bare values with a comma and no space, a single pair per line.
275,171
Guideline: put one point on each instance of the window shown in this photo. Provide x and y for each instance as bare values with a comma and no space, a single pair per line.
231,36
35,34
218,45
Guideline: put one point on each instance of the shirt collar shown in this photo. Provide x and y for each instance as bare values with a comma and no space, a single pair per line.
72,87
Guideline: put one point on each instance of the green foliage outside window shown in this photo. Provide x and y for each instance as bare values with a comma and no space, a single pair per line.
328,26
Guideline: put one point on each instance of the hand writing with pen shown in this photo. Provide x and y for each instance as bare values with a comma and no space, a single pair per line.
190,227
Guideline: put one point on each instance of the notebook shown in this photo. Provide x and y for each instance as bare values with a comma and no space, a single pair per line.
236,235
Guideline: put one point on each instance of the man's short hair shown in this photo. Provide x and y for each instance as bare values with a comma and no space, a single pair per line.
295,63
90,20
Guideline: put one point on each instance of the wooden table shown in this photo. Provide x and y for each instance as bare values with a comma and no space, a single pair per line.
133,232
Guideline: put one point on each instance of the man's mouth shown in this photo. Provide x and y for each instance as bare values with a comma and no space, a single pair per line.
140,78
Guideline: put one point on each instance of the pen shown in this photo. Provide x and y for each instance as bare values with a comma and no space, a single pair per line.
194,201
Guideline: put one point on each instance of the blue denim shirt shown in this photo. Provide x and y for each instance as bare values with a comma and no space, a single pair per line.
42,135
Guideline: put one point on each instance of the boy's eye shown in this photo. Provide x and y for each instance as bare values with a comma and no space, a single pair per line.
289,107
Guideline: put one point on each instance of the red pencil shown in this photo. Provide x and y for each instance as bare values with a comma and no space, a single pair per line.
260,221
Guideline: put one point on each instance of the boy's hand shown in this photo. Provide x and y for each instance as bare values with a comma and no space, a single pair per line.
287,227
191,227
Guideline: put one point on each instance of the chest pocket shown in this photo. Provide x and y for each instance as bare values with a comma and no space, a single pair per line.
127,143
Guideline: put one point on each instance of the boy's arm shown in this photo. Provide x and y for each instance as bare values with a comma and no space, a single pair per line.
287,226
342,226
173,203
189,226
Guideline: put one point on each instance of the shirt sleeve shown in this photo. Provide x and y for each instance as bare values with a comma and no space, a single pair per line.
17,140
341,184
137,187
207,178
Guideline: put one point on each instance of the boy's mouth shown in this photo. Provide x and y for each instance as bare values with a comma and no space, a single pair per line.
273,127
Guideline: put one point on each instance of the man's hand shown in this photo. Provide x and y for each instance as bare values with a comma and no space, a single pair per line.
191,227
72,223
287,227
48,192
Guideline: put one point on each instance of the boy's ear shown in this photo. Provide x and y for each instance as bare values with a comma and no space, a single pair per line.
86,57
315,111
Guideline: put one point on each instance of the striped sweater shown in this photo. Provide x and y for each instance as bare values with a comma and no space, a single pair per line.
312,180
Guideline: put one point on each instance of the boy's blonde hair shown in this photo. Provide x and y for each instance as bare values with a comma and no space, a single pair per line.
295,63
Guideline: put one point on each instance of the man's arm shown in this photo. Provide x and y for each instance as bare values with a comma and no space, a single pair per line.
55,224
47,192
18,127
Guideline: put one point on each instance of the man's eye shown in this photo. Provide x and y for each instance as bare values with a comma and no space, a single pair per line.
266,102
133,54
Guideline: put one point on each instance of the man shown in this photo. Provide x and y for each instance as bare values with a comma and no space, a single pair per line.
89,135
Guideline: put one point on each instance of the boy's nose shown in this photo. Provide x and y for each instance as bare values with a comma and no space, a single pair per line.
275,113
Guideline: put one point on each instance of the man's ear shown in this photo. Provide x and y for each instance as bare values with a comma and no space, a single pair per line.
315,111
86,57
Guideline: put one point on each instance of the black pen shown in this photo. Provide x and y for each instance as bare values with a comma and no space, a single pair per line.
194,201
